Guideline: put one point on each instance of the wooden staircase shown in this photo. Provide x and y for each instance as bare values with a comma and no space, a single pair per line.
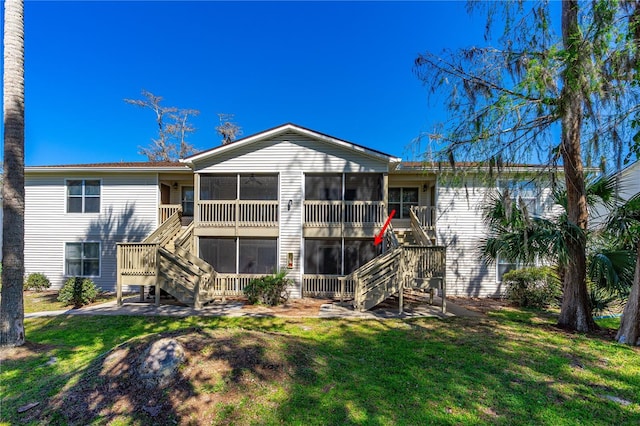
410,261
164,260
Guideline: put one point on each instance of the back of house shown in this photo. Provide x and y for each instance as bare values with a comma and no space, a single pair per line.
286,198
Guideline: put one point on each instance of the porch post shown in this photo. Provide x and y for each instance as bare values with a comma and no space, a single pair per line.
157,257
119,275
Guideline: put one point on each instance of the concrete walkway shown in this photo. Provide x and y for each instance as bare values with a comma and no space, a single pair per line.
133,306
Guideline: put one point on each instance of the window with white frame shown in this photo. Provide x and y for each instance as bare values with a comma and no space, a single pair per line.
522,190
503,266
401,200
82,259
83,196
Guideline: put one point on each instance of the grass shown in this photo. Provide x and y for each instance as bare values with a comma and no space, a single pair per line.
513,367
40,301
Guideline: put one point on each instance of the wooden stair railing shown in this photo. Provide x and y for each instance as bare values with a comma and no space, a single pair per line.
165,232
170,267
418,231
185,278
377,279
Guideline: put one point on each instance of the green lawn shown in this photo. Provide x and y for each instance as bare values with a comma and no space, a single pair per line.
39,301
513,367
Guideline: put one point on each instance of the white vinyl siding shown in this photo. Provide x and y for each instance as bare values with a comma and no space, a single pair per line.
291,152
459,228
291,189
129,212
291,155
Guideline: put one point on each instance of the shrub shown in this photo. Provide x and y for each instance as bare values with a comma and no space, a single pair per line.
534,287
37,281
78,292
270,290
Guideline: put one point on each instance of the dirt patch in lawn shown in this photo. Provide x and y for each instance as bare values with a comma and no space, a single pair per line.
28,350
227,377
306,307
479,304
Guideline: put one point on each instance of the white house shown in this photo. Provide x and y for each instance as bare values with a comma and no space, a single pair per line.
287,197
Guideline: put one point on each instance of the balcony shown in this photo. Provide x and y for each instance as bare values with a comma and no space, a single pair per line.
237,217
343,213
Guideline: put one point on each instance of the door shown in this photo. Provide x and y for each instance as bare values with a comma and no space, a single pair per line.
187,199
165,194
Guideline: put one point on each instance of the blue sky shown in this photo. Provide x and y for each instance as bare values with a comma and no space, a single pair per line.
341,68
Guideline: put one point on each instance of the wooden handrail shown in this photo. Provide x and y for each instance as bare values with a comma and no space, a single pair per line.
418,231
185,239
165,232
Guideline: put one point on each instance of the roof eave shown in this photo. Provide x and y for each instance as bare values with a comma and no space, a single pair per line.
283,129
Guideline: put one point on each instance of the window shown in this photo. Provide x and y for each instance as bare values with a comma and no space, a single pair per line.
401,200
257,256
83,196
503,266
322,257
363,187
252,187
218,187
82,259
220,253
258,187
323,187
187,200
359,252
522,190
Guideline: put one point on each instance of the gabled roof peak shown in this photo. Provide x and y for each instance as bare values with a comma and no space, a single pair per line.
285,128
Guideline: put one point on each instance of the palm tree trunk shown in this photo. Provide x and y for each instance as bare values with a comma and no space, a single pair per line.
629,331
11,301
575,313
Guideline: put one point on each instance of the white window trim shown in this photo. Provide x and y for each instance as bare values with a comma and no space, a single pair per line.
525,195
516,266
64,259
398,214
66,195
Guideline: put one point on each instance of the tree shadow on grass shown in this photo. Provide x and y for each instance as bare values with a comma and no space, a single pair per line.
270,370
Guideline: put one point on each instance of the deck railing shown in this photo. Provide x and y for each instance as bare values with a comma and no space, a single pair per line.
166,210
418,231
352,213
327,286
426,216
138,259
232,284
242,213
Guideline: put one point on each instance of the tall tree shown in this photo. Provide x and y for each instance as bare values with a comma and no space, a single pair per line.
11,300
510,102
227,129
173,129
624,223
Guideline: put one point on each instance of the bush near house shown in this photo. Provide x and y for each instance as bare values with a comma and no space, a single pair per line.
270,290
533,287
37,281
78,292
